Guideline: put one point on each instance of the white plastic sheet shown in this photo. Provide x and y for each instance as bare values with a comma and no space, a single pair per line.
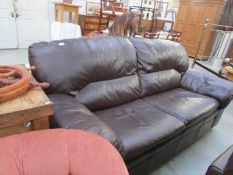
65,30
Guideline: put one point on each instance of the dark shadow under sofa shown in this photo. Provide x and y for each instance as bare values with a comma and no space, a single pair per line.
137,93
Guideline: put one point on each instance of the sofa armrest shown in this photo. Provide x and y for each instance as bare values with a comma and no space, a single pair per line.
69,113
223,165
199,82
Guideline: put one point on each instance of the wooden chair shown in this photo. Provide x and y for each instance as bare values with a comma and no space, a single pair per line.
111,9
174,36
61,8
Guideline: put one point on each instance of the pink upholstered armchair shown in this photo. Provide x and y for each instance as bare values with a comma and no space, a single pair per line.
59,152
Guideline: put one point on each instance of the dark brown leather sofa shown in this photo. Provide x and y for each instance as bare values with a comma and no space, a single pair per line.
223,165
136,93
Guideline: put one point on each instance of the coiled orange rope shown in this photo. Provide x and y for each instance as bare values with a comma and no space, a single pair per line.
16,80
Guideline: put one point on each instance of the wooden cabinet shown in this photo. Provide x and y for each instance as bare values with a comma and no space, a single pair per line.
190,18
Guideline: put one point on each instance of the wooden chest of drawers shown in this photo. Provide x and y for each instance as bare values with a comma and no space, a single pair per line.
91,23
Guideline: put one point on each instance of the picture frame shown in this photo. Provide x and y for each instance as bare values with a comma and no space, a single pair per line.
91,6
161,5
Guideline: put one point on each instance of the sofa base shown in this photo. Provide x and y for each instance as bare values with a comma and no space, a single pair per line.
160,154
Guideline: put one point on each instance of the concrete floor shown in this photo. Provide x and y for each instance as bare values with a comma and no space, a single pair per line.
14,56
192,161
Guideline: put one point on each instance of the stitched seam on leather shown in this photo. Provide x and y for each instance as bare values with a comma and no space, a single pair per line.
177,115
140,85
137,68
167,111
180,63
151,49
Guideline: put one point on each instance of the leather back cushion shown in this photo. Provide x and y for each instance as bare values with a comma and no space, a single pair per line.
157,55
72,64
104,94
157,82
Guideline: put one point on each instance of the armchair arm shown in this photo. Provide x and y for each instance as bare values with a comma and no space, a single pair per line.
71,114
202,83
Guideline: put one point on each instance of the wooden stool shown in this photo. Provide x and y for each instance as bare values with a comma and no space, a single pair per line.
61,8
229,70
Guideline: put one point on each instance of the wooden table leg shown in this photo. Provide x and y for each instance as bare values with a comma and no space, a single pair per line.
40,124
62,11
56,15
76,16
70,17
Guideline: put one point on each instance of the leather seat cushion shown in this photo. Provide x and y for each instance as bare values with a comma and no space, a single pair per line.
139,125
185,105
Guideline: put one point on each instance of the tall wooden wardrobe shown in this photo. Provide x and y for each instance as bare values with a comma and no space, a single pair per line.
190,18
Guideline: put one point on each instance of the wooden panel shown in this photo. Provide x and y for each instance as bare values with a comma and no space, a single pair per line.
90,23
182,14
17,129
32,105
181,18
93,27
41,123
190,18
27,112
31,99
94,20
179,27
191,49
192,24
147,23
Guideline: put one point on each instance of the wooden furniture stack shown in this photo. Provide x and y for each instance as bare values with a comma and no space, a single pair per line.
190,18
90,23
100,20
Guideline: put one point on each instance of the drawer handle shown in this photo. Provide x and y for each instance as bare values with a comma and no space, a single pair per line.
27,124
